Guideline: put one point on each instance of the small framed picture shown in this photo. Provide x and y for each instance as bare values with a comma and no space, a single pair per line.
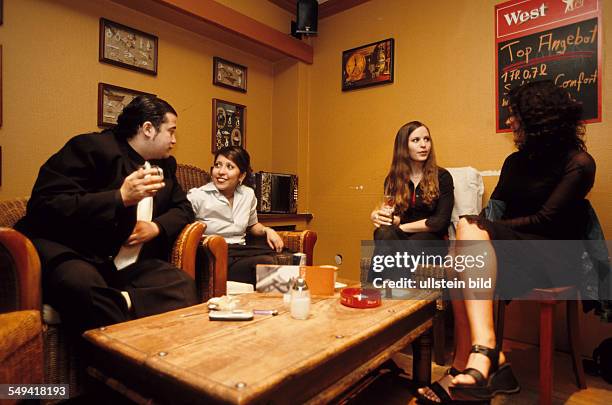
228,124
0,84
112,100
229,74
127,47
368,65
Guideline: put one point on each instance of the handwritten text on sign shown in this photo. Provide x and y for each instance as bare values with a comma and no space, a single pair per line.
566,55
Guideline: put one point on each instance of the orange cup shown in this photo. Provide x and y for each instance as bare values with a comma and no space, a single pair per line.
320,279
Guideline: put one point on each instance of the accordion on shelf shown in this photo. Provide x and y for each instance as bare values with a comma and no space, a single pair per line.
276,192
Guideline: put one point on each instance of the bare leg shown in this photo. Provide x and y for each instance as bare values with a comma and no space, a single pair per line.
479,311
462,341
463,337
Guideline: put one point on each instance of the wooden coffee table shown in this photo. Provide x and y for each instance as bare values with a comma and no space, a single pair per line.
182,357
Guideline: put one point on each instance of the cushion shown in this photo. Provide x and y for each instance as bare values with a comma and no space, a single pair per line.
469,189
21,356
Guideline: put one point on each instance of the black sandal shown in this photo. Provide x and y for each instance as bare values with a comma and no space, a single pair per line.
438,390
501,379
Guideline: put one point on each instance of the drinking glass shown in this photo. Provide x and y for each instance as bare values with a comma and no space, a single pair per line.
147,165
388,205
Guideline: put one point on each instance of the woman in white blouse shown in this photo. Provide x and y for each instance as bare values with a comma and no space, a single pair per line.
228,208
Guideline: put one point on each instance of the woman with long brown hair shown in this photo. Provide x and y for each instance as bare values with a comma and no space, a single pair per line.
420,191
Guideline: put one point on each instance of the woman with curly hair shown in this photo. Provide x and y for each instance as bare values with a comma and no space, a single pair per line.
422,192
543,186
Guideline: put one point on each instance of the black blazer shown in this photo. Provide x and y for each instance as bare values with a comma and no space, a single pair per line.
76,207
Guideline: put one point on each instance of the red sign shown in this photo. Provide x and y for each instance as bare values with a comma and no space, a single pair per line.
524,16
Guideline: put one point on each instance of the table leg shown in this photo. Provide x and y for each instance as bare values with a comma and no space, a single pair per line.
439,332
421,358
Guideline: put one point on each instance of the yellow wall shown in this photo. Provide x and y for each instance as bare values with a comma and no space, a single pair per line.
51,72
290,131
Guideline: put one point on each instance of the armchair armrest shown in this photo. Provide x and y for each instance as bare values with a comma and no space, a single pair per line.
300,241
212,265
18,250
186,246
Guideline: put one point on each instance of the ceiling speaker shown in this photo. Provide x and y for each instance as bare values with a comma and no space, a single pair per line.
307,17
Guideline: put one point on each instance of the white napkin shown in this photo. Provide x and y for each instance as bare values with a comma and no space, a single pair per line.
144,212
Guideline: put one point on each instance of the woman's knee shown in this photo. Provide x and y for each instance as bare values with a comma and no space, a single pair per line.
424,236
467,230
385,233
265,259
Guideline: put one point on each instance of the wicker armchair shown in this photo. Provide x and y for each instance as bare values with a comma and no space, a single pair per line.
21,343
21,290
211,257
214,248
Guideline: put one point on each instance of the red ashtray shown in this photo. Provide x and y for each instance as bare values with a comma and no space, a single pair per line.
360,297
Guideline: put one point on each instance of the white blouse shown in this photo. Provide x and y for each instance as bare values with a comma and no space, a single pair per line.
213,208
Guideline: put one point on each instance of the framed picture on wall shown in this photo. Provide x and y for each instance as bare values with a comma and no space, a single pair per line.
127,47
228,124
229,74
1,84
112,100
368,65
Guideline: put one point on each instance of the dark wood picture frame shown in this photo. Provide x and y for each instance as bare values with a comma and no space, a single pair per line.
1,12
111,101
128,47
368,65
229,74
1,106
228,124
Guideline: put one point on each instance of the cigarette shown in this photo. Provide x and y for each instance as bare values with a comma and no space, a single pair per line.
272,312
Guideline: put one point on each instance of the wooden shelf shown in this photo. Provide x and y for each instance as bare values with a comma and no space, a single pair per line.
286,217
221,23
285,221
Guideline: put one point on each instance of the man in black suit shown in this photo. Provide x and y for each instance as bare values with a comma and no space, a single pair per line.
92,202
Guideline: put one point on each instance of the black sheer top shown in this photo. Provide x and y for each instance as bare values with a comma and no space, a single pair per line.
544,197
438,213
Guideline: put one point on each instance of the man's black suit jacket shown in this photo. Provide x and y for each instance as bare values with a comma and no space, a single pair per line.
76,207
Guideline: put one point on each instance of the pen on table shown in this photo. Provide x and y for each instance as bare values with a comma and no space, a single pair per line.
192,314
272,312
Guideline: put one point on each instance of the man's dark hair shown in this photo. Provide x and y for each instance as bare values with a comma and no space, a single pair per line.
139,111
